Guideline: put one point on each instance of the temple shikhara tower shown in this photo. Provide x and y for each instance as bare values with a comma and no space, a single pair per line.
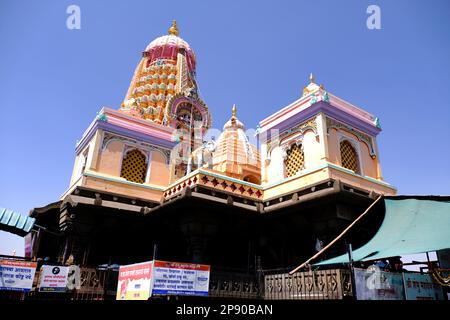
145,176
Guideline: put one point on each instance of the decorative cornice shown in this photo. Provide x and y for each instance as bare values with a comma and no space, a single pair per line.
312,110
108,136
310,124
332,123
118,123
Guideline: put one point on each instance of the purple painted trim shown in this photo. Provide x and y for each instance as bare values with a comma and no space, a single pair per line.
99,124
328,110
137,135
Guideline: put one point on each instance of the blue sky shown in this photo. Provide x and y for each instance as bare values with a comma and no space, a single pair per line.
257,54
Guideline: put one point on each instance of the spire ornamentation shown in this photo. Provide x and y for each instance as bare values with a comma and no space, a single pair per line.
173,30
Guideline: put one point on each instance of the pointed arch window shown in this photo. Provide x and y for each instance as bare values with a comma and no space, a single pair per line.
349,156
295,160
134,166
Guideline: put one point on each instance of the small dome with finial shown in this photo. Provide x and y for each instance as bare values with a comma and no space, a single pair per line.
168,47
311,87
235,156
234,122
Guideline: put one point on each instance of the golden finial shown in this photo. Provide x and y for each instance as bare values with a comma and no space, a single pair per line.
311,78
305,91
173,30
233,111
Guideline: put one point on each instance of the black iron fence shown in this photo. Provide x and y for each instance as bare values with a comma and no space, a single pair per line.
234,285
333,284
101,284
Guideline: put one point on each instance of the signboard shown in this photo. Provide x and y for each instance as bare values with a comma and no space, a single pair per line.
374,284
421,287
173,278
53,278
135,281
16,275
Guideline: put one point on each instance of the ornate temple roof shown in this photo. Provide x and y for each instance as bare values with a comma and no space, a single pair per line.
168,46
311,87
235,156
234,122
164,83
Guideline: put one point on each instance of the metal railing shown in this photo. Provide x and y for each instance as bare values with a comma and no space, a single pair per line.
333,284
234,285
100,284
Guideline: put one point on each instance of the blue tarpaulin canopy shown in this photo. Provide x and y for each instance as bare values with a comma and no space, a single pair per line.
15,223
411,225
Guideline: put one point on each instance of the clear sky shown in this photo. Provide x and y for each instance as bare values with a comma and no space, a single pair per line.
257,54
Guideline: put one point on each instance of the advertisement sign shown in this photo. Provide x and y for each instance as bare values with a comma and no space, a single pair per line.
16,275
374,284
135,281
172,278
421,287
53,278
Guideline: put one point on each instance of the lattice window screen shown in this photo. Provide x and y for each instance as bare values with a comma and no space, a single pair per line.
295,160
349,158
134,166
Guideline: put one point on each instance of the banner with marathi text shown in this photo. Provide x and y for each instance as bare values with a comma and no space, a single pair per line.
421,287
17,275
134,281
53,278
173,278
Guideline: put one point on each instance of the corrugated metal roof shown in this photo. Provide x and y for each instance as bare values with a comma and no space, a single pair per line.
15,223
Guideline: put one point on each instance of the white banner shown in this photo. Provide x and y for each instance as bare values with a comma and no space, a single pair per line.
172,278
16,275
53,279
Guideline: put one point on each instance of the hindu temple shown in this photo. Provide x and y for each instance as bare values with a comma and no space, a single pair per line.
147,182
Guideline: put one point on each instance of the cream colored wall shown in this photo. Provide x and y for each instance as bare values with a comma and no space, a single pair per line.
333,147
312,150
76,172
159,170
369,165
110,161
295,183
76,169
110,158
275,168
123,188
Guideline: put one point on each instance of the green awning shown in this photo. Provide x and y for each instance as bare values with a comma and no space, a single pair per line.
14,222
411,225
